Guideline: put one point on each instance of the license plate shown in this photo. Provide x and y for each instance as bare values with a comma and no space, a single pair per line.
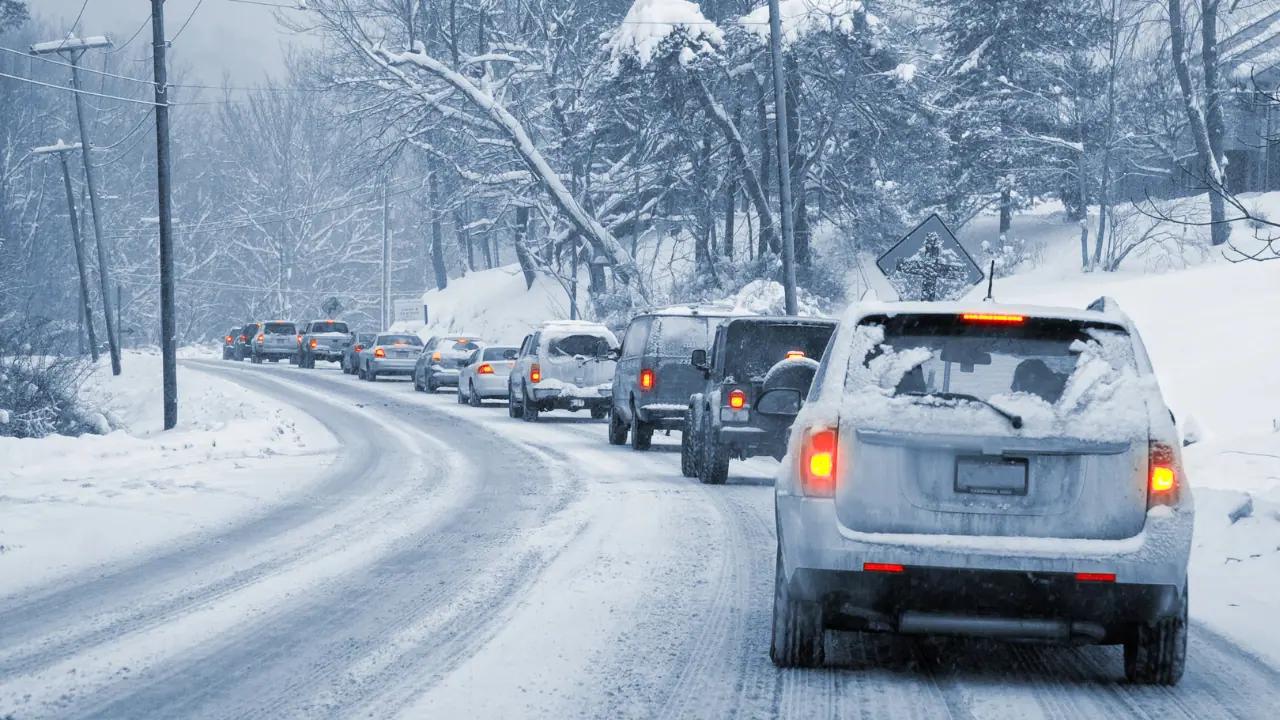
991,475
576,403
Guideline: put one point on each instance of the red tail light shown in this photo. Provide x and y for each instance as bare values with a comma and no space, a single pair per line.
993,318
1162,476
261,337
299,339
1103,577
244,338
647,379
535,373
818,462
378,352
485,369
357,348
314,343
229,339
737,399
883,567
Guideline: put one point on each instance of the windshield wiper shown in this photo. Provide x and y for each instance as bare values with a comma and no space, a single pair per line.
1014,420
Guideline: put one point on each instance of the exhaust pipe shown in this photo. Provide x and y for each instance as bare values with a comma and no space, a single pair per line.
920,623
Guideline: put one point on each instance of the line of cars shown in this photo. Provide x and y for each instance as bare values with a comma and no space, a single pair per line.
1001,471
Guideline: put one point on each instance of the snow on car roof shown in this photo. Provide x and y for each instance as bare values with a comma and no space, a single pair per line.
707,310
553,329
1108,312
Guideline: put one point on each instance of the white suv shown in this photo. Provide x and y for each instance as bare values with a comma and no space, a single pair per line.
985,470
563,365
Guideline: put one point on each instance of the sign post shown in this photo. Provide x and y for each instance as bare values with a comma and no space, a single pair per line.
929,264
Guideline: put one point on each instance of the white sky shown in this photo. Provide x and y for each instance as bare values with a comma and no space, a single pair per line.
238,40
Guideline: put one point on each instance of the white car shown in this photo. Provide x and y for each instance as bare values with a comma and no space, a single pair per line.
485,374
984,470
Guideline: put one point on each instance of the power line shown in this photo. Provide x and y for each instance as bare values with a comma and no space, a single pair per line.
80,92
51,61
187,21
79,15
132,37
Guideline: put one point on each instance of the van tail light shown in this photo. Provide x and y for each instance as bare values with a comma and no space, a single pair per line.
357,348
378,352
647,379
484,369
818,462
261,337
314,343
737,399
244,338
299,339
1162,475
535,373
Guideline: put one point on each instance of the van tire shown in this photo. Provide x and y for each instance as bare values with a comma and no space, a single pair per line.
617,429
797,638
641,432
1157,654
688,446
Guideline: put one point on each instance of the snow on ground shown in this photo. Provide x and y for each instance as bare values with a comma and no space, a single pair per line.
67,504
1213,335
493,304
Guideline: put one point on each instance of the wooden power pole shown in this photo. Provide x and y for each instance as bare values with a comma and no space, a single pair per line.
168,325
784,164
61,149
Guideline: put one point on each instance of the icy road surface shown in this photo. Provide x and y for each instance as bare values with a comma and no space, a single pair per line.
457,563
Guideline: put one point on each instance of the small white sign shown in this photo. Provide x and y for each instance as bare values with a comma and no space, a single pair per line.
407,310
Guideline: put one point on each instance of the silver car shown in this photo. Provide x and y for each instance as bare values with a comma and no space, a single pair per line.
390,354
441,359
564,365
983,470
485,375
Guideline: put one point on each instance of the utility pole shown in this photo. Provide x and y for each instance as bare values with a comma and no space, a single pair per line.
784,154
72,48
386,261
61,149
168,326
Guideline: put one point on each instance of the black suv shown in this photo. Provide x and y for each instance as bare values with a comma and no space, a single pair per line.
654,377
722,421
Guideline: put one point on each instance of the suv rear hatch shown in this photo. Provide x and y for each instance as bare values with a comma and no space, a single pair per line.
580,358
754,345
936,450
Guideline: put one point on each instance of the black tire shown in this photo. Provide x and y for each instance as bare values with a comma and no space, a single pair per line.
641,432
473,399
371,376
713,465
461,400
514,409
688,446
529,410
598,412
617,429
1157,654
256,359
797,640
431,384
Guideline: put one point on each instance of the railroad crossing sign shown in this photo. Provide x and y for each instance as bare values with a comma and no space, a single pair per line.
930,264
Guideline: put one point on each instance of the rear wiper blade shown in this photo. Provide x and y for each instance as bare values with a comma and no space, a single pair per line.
1014,420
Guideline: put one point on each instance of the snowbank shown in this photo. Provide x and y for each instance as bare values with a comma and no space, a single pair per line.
493,304
72,503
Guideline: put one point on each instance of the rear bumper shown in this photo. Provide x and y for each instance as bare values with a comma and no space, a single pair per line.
748,441
443,375
490,386
983,577
393,367
667,416
334,355
572,398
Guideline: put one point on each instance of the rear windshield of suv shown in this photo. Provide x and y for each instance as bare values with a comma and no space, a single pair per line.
280,328
946,355
677,336
751,348
593,346
400,340
329,327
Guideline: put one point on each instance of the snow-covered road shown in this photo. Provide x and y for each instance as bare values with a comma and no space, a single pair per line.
457,563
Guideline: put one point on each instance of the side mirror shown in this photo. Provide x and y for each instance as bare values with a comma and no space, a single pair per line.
614,354
781,402
699,360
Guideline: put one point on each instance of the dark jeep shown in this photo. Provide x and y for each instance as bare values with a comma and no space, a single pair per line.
722,420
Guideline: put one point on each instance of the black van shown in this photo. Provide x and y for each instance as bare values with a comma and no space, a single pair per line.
654,377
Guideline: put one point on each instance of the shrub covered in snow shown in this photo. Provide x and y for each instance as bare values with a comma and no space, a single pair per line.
39,384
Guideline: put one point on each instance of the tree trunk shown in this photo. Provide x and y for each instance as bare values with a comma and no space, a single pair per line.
1209,155
437,243
1006,213
730,214
795,163
523,256
767,243
738,151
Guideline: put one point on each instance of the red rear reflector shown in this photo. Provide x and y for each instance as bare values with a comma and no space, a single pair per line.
882,567
1096,577
535,373
378,353
737,399
647,379
993,318
793,354
485,369
818,463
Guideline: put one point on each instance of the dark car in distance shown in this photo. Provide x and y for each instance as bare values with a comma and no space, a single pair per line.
722,422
